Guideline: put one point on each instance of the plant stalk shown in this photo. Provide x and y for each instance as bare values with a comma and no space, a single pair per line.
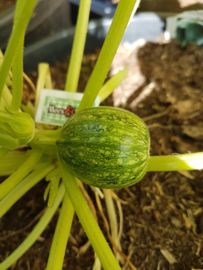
15,40
35,233
109,49
17,68
176,162
31,180
61,235
78,46
45,138
22,171
112,83
88,221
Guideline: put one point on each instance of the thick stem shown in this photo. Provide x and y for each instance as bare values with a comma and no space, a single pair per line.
13,160
15,40
31,180
17,68
35,233
176,162
17,89
112,41
88,221
61,235
78,46
45,138
18,175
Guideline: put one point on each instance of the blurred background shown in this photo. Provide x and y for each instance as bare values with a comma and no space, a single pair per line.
51,16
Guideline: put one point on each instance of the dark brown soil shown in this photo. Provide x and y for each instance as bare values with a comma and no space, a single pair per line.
163,220
5,4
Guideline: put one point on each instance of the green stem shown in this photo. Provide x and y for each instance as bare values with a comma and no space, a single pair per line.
17,67
15,40
45,138
29,108
78,46
88,221
43,81
31,180
13,160
22,171
111,211
61,235
109,49
35,233
112,83
176,162
17,89
6,172
6,96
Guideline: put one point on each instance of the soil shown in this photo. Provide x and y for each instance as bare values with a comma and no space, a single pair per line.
163,217
5,4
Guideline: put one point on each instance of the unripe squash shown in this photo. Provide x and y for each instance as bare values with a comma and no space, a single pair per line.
105,147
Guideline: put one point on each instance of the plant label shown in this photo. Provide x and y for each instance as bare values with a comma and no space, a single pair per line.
56,106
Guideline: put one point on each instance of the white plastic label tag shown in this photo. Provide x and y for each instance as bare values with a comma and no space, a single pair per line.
56,106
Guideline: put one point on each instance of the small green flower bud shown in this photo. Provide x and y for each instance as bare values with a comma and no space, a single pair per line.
17,125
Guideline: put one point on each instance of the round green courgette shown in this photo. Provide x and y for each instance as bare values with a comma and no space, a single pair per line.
105,147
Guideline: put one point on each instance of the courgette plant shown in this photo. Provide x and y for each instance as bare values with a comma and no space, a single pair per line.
45,159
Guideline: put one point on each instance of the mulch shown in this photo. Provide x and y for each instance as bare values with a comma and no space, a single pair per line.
6,4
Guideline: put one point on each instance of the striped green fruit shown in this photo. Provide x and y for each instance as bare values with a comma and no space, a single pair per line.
105,147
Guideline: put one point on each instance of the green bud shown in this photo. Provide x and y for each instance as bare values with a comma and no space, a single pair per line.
17,125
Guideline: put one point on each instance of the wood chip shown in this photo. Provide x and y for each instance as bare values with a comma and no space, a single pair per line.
168,256
159,187
198,211
187,174
188,223
176,222
192,220
199,244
